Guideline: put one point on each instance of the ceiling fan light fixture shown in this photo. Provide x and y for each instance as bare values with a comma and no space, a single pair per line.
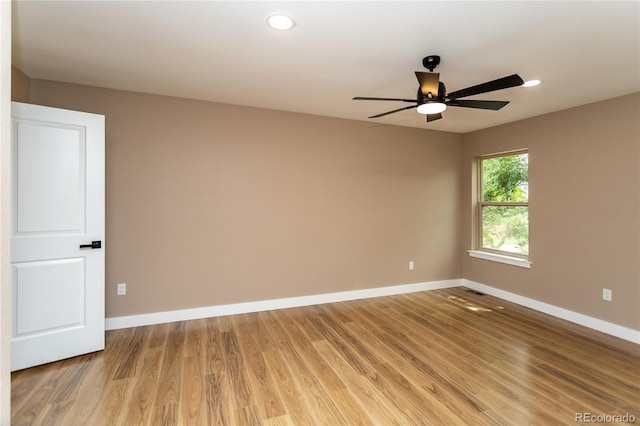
431,108
531,83
432,97
280,22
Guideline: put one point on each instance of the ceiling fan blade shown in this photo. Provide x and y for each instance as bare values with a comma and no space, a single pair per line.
490,86
433,117
492,105
360,98
428,83
395,110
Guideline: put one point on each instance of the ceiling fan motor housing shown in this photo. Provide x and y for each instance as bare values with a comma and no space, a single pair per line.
440,97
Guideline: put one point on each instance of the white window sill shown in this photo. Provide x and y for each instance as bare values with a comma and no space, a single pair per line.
509,260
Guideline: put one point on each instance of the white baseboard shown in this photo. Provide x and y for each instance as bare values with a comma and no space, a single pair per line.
266,305
294,302
584,320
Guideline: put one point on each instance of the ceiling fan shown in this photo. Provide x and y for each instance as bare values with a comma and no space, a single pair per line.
432,98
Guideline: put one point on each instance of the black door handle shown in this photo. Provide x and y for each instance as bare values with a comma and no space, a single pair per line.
93,245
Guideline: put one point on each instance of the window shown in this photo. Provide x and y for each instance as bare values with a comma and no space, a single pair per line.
503,204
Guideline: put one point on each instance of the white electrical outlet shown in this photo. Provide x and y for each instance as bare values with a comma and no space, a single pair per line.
411,265
607,294
122,289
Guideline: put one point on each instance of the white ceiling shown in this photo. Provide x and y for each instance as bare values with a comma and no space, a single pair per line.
223,51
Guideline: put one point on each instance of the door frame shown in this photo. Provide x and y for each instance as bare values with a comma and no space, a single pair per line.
5,219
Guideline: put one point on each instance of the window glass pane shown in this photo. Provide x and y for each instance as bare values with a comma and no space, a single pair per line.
506,228
505,179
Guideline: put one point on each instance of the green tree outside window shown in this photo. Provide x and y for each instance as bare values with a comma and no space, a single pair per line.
504,204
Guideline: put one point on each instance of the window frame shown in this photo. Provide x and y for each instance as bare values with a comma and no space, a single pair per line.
517,259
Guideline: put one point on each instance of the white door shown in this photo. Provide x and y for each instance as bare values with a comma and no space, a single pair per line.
58,206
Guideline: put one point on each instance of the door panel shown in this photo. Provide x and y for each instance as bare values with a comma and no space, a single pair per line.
58,156
36,284
58,205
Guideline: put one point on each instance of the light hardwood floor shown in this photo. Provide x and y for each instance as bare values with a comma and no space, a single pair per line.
439,357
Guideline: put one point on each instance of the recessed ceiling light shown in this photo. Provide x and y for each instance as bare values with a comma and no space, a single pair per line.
280,22
531,83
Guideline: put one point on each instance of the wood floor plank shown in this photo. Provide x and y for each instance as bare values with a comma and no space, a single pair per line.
169,383
337,342
247,415
115,405
519,322
218,400
609,398
267,399
236,370
28,394
91,392
516,391
486,327
320,408
195,338
157,335
193,392
145,385
214,357
353,412
298,316
577,368
341,333
165,415
297,333
450,356
63,379
287,388
129,355
439,384
192,406
284,420
434,409
379,408
492,382
601,375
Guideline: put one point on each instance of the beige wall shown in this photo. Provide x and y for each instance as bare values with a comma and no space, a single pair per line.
20,85
212,204
584,208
